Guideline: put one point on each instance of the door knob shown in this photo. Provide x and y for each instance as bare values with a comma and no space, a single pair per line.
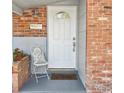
74,38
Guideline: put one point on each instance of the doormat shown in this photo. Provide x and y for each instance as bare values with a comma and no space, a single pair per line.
57,76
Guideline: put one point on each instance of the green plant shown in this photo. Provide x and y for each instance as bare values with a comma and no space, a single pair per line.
18,54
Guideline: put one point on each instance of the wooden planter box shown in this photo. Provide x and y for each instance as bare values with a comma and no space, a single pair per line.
20,73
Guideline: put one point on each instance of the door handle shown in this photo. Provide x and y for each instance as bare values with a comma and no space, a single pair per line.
74,46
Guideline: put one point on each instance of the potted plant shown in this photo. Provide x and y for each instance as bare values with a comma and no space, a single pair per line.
18,54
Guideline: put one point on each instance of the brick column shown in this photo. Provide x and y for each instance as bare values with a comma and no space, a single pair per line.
99,46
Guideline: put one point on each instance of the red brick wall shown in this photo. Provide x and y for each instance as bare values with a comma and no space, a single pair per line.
99,46
21,24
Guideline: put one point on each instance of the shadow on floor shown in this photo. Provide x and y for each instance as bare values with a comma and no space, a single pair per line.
52,86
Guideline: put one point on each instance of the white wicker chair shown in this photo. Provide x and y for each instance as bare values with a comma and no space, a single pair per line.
39,63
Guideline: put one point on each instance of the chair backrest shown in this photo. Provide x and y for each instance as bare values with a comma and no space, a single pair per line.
38,55
36,51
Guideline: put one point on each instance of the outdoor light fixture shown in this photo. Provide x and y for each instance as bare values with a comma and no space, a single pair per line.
36,13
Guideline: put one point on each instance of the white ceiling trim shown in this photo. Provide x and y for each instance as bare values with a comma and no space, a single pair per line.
17,10
25,4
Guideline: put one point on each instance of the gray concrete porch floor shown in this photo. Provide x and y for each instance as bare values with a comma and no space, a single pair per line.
52,86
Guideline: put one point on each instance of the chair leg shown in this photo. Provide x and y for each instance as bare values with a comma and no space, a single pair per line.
35,75
47,75
36,78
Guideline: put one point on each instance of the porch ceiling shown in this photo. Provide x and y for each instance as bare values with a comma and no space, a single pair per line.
25,4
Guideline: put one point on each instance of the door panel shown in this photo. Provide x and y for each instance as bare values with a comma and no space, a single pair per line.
61,31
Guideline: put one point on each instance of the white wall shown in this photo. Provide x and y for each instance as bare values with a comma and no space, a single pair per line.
26,43
82,40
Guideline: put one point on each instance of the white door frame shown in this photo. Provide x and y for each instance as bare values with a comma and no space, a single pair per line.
76,64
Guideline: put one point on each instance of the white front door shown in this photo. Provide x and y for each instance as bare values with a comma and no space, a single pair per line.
62,36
